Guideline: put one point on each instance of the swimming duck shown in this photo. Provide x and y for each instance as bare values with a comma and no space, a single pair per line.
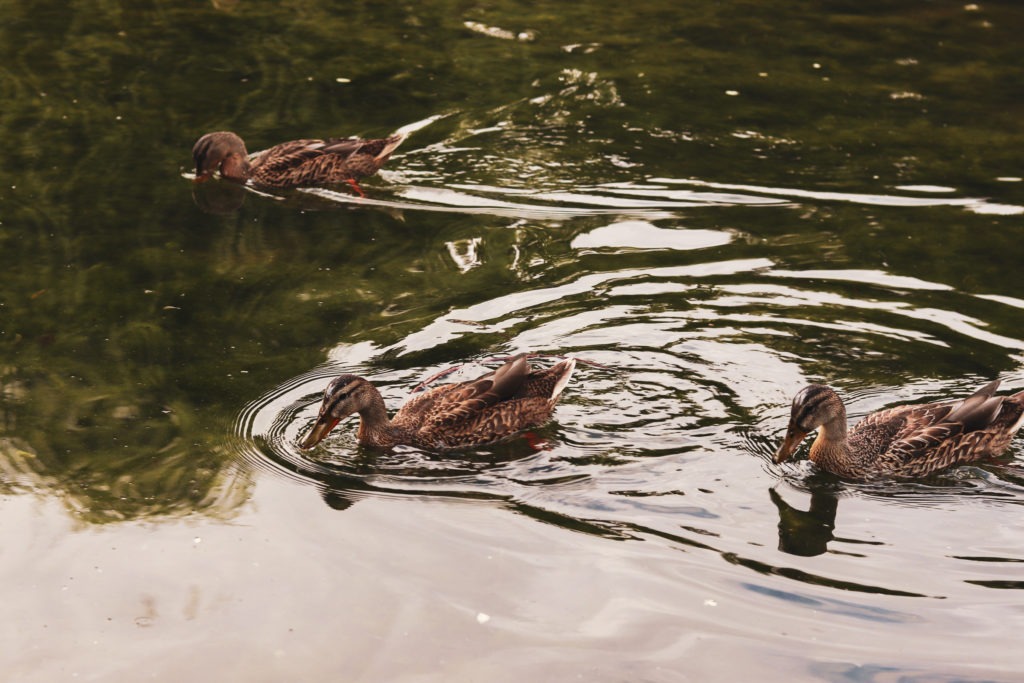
905,441
466,414
299,163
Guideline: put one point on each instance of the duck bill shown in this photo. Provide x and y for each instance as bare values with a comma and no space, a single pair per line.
321,429
789,445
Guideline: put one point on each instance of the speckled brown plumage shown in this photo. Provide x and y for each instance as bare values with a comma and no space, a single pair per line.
452,416
906,441
299,163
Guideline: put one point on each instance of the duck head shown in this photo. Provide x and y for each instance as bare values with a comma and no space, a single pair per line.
814,406
344,396
221,151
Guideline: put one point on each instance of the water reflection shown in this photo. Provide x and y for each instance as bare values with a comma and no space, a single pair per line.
806,533
218,197
652,443
714,221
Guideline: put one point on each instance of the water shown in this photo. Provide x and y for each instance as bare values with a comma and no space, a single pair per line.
709,206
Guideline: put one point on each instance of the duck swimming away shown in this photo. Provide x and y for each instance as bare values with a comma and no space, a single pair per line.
299,163
462,415
906,441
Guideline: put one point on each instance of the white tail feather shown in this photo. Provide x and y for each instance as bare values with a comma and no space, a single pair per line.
1017,424
570,365
395,141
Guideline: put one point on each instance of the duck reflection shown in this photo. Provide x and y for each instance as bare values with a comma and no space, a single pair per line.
806,533
338,499
218,198
346,478
222,198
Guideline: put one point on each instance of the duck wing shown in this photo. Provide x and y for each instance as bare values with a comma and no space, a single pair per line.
287,155
484,410
477,395
307,163
469,413
452,402
979,409
939,435
343,146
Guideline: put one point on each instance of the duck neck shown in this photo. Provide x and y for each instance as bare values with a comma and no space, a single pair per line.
831,448
375,427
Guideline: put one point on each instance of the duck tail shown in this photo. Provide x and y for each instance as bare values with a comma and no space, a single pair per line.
391,143
1017,403
564,369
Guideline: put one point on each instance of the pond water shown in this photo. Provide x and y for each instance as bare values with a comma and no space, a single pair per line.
708,205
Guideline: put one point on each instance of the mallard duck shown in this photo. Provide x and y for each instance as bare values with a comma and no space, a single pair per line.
299,163
906,441
466,414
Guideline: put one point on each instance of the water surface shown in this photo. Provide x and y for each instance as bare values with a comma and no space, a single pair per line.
709,206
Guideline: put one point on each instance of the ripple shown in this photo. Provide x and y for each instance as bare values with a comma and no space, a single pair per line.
667,430
973,204
623,199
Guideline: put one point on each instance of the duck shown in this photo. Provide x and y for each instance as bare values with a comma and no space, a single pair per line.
298,163
490,408
906,441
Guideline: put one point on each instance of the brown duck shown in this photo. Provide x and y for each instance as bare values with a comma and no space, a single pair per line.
463,415
299,163
906,441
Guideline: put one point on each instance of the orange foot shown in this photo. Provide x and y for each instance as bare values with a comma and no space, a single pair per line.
355,186
536,442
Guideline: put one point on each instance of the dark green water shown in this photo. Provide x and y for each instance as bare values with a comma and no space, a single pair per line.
712,203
